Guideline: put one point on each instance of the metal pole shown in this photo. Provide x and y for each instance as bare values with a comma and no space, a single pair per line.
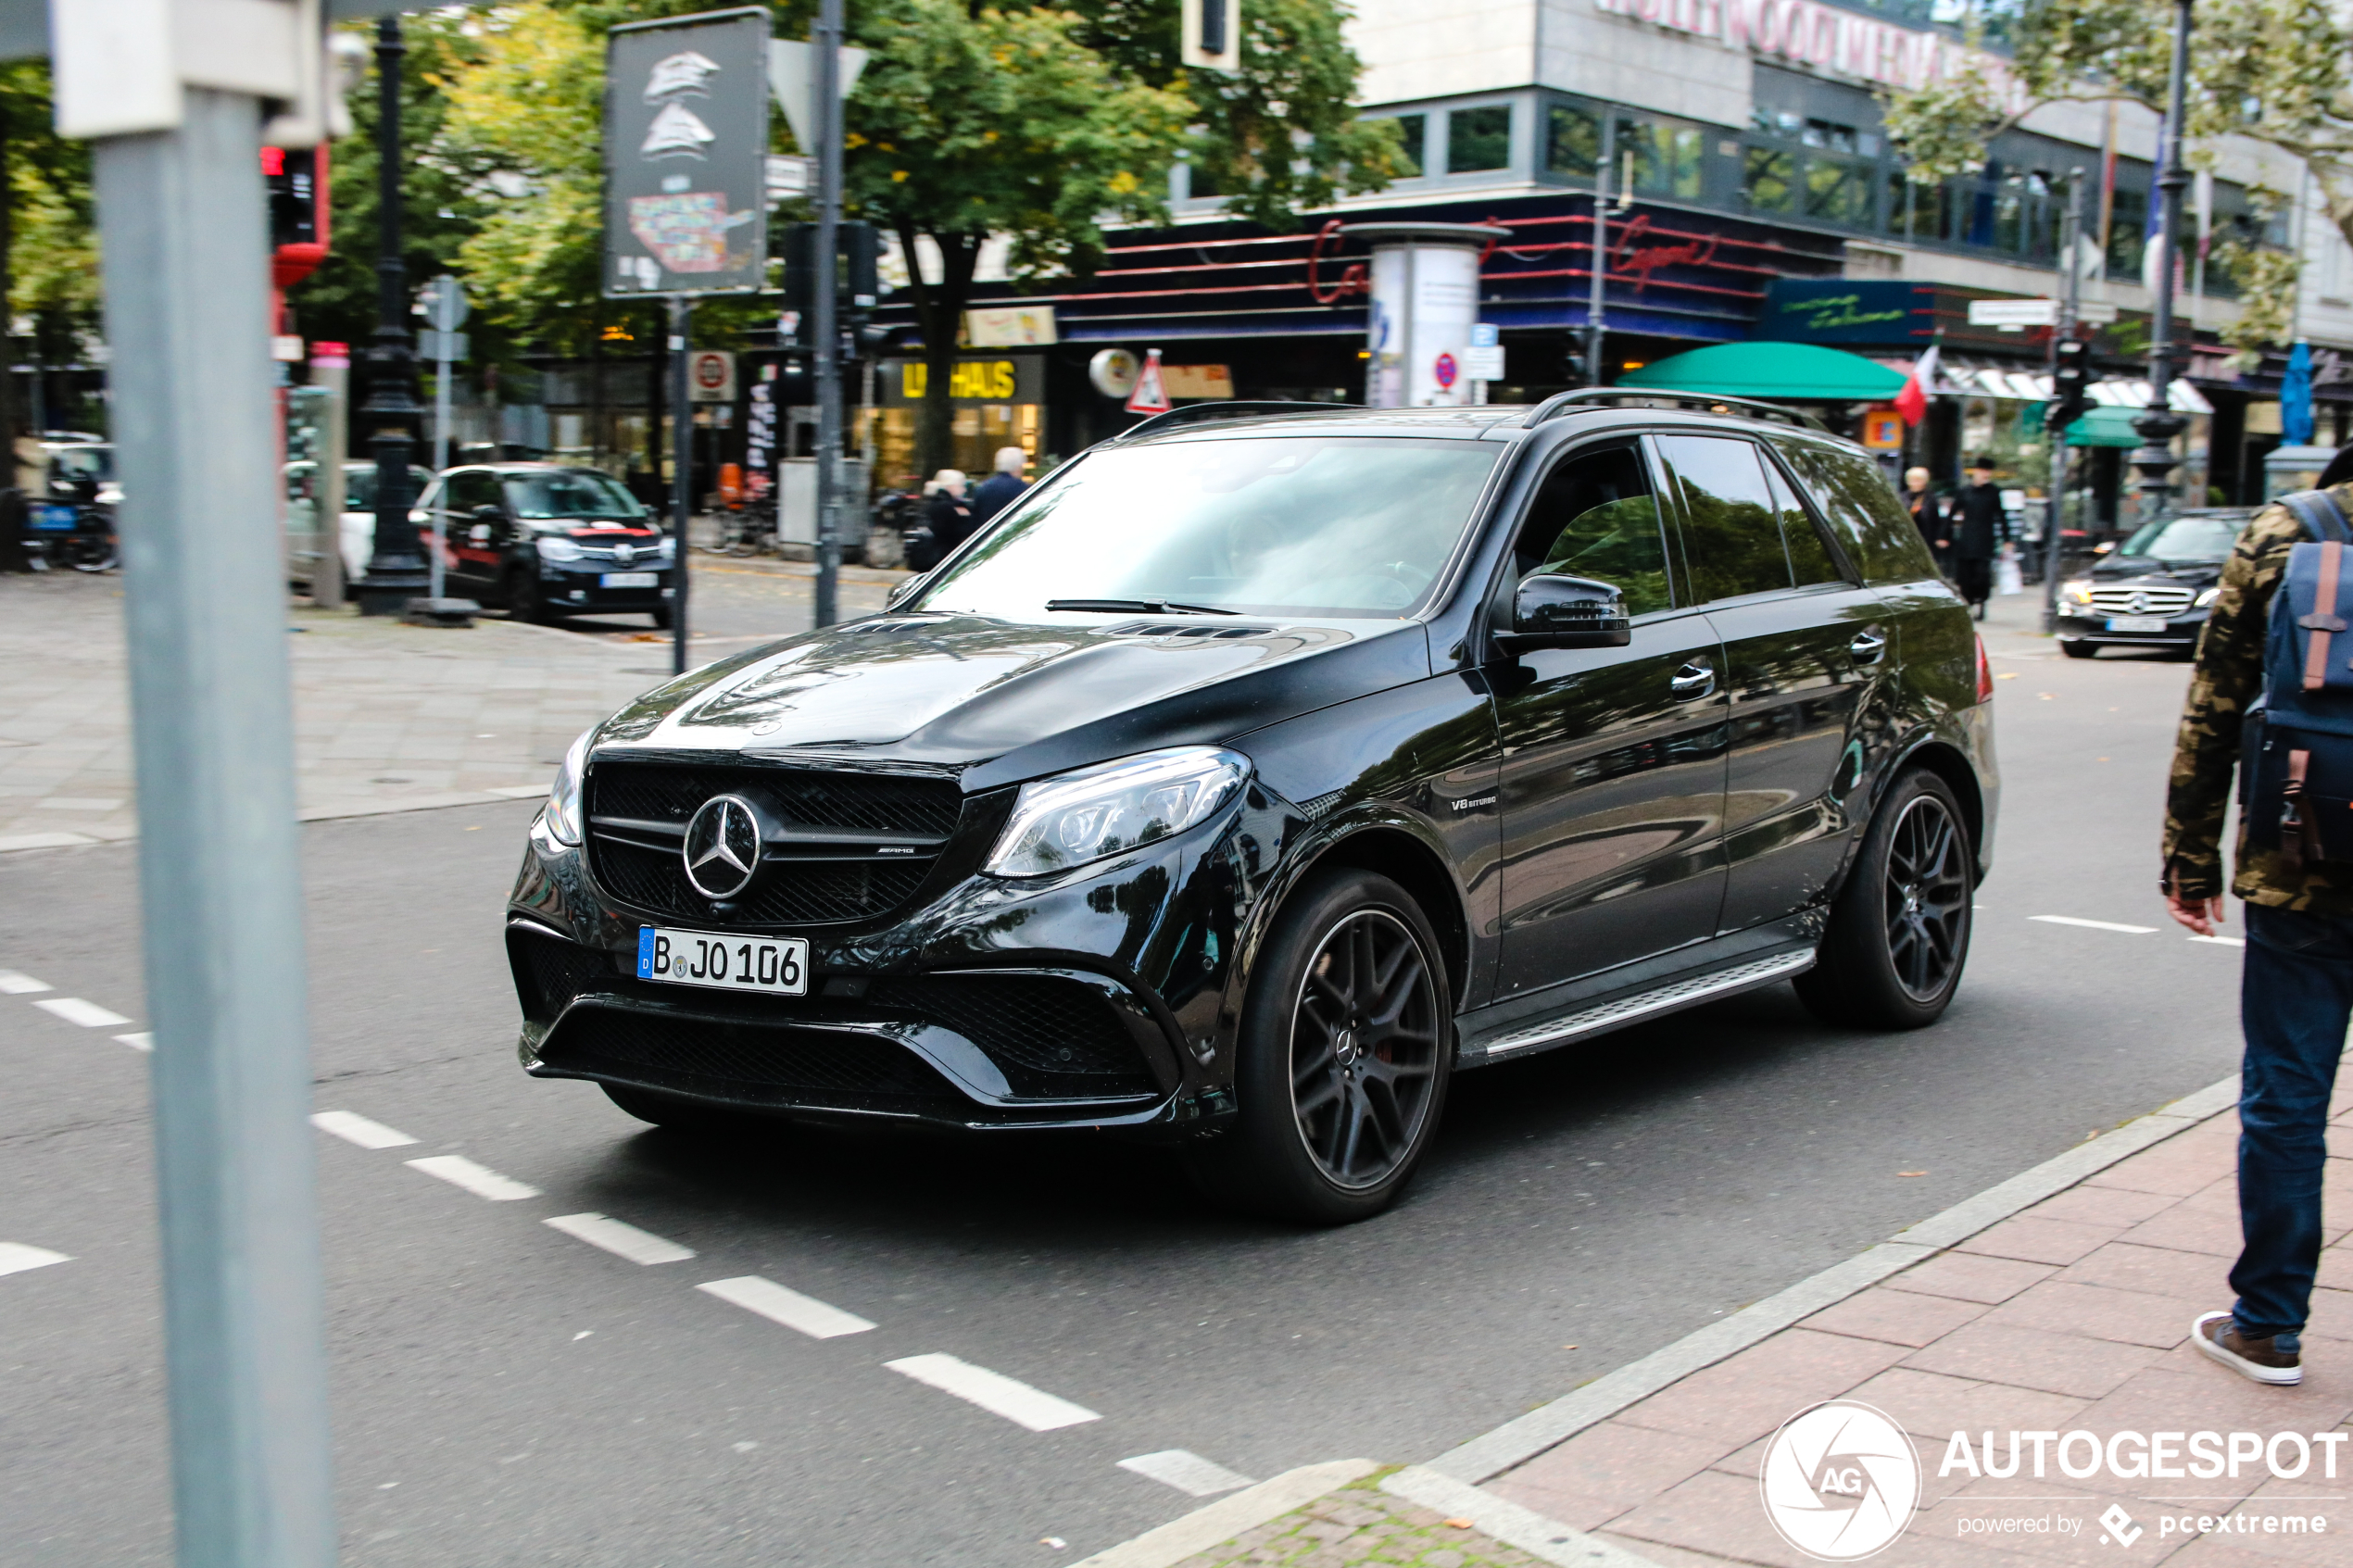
2160,424
187,280
1596,301
2070,299
823,302
682,475
332,374
440,452
397,567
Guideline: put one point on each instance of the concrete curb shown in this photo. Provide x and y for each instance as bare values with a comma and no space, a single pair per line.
1547,1539
1229,1516
1521,1440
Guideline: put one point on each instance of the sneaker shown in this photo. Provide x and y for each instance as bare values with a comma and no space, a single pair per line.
2217,1337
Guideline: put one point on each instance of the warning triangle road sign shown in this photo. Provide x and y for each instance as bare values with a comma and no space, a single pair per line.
1150,396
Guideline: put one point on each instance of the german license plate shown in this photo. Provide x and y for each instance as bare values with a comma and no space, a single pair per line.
2136,623
777,965
628,579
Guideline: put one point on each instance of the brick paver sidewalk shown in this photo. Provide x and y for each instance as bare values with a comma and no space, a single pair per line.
2072,1315
1361,1523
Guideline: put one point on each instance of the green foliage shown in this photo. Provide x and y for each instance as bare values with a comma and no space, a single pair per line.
53,240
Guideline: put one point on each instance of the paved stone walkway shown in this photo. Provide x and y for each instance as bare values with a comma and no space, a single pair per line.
2072,1315
1360,1523
388,717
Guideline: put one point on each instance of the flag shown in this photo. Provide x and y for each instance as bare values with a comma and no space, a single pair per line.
1912,402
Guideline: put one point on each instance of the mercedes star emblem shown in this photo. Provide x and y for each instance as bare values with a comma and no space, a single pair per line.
723,847
625,554
2140,603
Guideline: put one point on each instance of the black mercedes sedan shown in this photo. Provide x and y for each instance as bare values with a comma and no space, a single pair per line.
1262,769
2154,589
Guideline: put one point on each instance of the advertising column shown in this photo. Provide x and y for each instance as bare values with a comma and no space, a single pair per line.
1425,302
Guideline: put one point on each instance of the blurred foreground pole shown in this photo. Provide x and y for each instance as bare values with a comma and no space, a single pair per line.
682,473
181,219
826,36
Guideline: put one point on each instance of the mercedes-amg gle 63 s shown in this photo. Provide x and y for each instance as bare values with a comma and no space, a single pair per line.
1259,769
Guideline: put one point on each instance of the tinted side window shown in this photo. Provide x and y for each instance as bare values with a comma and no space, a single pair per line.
1809,556
1877,532
1731,539
1595,517
472,489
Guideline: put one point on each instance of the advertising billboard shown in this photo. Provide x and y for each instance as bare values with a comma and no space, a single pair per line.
687,155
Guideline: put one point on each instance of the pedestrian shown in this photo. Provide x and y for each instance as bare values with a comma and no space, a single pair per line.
1002,488
948,511
2296,995
1978,531
1930,511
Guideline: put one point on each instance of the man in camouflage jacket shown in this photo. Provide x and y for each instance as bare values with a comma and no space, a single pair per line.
2296,991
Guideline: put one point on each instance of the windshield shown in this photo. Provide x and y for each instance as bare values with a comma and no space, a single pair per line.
570,493
359,485
75,463
2185,538
1311,525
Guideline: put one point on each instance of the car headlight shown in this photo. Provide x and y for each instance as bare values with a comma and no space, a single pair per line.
555,547
2206,596
1095,812
563,812
2076,593
666,549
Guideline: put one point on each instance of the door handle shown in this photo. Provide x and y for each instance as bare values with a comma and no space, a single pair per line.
1870,646
1693,680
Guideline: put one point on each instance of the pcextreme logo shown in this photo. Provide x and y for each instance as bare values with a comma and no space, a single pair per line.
1840,1481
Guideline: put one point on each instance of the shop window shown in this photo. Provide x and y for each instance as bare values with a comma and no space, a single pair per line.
1768,175
1828,133
1413,128
2127,226
1572,140
1838,191
1660,159
1479,138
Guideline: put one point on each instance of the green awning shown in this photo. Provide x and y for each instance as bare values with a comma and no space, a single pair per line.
2105,424
1788,373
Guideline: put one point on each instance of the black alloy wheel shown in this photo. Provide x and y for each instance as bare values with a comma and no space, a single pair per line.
1899,929
663,619
1345,1051
527,598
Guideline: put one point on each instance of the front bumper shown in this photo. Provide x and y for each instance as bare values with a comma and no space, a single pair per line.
1097,1000
582,587
2079,624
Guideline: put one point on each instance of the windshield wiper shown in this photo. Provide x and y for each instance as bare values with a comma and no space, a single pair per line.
1157,607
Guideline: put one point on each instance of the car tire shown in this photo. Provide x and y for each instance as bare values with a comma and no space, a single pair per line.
1329,1064
1899,929
527,599
2080,650
681,1114
663,620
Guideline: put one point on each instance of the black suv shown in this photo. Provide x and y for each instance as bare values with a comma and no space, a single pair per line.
545,540
1259,769
2155,589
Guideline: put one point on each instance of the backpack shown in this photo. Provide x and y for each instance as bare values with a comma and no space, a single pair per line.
2298,747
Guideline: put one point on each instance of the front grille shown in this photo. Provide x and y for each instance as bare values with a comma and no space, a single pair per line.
556,971
793,889
737,1061
1050,1039
2168,602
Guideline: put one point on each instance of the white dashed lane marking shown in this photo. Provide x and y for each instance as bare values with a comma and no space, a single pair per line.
358,1129
14,984
2095,924
621,1240
2221,941
1186,1471
142,1041
480,1180
16,1257
73,1010
993,1392
815,1318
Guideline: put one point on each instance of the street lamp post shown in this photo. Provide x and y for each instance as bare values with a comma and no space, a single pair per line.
2159,425
392,414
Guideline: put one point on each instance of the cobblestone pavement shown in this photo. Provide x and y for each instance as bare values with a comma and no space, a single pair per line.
2073,1315
1360,1523
387,717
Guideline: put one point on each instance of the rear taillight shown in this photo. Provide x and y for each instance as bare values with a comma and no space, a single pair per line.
1984,674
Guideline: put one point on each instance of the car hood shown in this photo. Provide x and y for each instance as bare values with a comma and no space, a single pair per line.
2131,569
1000,701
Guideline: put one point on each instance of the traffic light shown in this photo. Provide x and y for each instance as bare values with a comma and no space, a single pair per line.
858,280
291,175
2071,377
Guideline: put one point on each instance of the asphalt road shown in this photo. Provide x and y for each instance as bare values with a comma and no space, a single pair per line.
505,1393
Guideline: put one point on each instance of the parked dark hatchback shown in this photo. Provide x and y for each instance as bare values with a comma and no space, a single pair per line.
546,541
1259,771
2153,590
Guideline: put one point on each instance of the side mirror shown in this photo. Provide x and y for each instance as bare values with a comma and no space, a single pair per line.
905,591
1565,612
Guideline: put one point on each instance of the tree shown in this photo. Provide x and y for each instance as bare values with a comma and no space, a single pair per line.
48,238
2270,71
971,124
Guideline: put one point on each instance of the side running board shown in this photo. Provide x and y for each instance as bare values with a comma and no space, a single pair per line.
1646,1004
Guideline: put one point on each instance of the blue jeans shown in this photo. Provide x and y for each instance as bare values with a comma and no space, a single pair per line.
2295,1001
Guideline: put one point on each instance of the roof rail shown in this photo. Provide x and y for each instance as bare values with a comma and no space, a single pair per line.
1562,403
1196,413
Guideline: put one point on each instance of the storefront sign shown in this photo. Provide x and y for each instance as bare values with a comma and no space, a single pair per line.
1630,257
1010,326
1007,379
1883,430
1198,381
1847,311
1824,37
